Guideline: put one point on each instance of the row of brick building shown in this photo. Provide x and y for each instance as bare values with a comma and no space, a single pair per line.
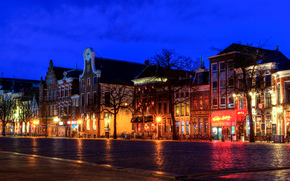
74,102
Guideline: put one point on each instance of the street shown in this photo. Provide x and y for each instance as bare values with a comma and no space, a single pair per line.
184,159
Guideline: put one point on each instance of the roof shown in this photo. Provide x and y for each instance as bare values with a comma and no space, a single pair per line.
74,73
269,55
18,85
58,71
117,71
151,71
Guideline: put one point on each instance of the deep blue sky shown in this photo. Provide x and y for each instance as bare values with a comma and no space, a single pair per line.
33,32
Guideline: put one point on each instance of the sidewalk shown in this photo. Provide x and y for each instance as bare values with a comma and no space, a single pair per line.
25,167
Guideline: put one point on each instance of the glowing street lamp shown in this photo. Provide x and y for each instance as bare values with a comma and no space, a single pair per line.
158,119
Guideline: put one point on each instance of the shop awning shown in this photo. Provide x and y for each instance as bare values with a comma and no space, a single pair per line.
139,119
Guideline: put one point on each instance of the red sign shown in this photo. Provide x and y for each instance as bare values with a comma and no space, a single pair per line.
240,113
221,118
260,105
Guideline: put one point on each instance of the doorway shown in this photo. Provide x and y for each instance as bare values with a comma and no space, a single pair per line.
217,133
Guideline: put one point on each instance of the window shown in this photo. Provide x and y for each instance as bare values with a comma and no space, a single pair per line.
88,82
52,96
268,80
214,102
67,92
88,68
223,84
187,108
241,106
55,95
181,95
187,94
95,80
182,127
278,94
88,99
214,84
249,82
258,100
88,122
107,99
231,102
222,67
139,90
177,126
95,97
165,108
159,107
240,84
200,78
177,95
231,82
200,102
230,65
223,102
182,109
144,90
206,106
94,122
177,109
48,97
83,83
287,92
195,103
258,82
268,100
187,127
214,68
60,92
83,100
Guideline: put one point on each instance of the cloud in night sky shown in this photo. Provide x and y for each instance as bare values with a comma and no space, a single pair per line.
33,32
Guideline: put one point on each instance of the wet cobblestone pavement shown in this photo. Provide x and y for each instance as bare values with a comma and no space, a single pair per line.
181,158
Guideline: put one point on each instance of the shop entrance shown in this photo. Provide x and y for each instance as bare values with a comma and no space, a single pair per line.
217,133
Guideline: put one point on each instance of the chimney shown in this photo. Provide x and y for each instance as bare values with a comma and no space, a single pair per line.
147,62
277,48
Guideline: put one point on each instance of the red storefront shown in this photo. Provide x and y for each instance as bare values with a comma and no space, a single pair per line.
227,123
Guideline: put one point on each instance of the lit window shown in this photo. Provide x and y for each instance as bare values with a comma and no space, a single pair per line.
177,109
231,102
89,82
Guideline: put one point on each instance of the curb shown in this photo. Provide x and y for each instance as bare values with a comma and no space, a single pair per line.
105,166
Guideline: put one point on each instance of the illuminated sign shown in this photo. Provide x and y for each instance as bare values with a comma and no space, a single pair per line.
241,113
73,122
218,118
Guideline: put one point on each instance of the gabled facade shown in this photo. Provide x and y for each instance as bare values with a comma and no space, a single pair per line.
48,99
67,114
100,72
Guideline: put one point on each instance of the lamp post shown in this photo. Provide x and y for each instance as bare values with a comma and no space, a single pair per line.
158,119
56,120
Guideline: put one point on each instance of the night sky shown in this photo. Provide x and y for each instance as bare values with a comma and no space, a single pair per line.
34,32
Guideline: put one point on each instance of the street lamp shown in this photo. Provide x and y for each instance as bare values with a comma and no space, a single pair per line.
56,120
158,119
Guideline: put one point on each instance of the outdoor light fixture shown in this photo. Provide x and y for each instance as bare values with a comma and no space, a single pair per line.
234,95
80,121
56,120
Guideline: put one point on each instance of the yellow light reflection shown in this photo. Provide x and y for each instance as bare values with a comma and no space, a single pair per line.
159,159
108,150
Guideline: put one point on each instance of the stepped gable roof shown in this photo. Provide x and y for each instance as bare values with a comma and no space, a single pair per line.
117,71
270,55
58,71
17,85
75,73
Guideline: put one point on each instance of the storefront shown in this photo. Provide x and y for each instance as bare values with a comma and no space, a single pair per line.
228,123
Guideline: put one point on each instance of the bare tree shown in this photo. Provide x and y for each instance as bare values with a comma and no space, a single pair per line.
249,76
174,67
114,99
27,112
7,104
